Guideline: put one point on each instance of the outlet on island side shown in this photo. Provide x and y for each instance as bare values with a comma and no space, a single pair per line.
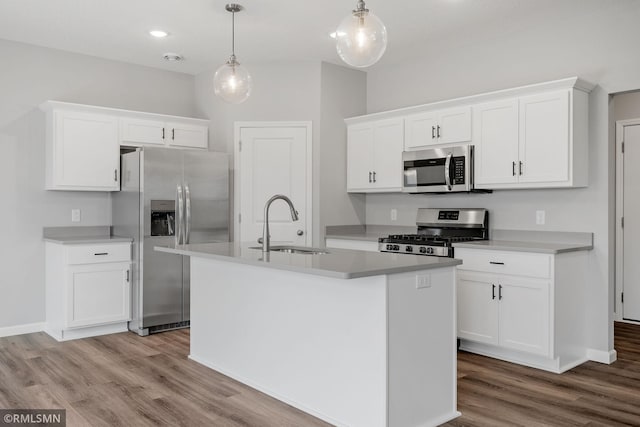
540,217
75,215
394,214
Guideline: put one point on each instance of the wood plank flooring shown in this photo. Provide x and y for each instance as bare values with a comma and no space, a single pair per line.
126,380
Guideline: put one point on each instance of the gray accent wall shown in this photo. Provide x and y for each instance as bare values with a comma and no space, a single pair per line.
31,75
298,91
588,44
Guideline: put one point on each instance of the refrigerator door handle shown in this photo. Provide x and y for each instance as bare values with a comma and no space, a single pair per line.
187,222
179,215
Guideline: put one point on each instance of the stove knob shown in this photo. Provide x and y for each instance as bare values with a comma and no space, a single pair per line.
423,250
430,250
396,248
409,249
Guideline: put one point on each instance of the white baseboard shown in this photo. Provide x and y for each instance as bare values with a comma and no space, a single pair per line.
607,357
28,328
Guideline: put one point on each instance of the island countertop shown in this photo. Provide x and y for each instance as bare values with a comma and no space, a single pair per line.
337,263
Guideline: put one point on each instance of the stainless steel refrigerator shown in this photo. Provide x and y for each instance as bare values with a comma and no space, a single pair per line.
167,197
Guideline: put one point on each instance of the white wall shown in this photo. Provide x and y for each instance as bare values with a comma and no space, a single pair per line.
343,94
597,43
291,91
30,75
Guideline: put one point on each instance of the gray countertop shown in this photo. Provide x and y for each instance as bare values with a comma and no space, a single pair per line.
369,233
81,240
80,235
516,246
338,263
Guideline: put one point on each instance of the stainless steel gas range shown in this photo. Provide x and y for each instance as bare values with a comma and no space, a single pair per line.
437,230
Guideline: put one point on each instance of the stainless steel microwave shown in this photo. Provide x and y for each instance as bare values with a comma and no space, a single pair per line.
438,170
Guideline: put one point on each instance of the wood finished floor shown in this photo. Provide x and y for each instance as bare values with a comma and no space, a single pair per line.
125,380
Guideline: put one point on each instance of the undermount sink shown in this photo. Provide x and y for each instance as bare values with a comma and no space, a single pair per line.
295,250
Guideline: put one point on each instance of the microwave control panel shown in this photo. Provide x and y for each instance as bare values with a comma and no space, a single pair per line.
458,170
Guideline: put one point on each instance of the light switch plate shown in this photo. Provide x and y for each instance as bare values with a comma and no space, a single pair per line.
423,281
394,214
75,215
540,217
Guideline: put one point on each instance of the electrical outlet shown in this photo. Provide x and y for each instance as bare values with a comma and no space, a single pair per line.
540,217
394,214
423,282
75,215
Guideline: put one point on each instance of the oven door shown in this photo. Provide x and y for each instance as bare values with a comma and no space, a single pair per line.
438,170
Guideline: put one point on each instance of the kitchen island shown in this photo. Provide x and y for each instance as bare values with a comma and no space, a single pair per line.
355,338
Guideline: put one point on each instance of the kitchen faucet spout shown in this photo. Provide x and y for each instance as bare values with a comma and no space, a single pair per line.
266,243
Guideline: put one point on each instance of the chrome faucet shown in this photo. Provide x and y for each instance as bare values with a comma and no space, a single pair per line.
266,243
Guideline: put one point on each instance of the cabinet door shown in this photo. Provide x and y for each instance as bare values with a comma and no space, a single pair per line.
454,125
420,130
388,136
359,157
141,131
98,294
86,153
524,314
187,135
477,308
544,138
495,136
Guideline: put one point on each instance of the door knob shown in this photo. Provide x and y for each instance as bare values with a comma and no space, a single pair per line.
300,232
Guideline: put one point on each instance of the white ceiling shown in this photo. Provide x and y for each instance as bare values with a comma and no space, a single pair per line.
273,30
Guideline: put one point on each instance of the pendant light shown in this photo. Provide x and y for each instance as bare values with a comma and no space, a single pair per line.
361,38
232,81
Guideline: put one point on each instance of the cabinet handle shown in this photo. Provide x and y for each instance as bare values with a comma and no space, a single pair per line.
433,132
493,291
520,168
173,134
499,292
496,263
127,275
101,253
370,177
438,131
513,168
162,133
115,175
374,176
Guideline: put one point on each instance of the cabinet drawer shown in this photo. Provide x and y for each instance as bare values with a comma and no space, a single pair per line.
501,262
92,254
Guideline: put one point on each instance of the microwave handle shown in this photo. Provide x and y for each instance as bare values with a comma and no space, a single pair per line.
447,172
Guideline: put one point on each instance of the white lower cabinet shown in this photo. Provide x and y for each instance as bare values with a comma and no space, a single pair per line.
523,307
88,289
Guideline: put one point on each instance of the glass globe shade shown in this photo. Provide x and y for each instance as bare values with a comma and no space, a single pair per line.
361,39
232,82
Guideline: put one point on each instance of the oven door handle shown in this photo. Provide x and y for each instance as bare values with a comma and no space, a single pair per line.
447,171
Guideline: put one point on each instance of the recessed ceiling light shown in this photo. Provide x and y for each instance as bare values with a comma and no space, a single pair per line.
172,57
158,33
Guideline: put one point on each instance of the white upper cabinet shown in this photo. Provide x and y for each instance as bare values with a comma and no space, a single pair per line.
374,156
495,138
82,151
537,141
187,133
438,127
83,142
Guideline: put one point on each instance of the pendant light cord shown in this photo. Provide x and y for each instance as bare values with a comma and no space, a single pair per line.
233,34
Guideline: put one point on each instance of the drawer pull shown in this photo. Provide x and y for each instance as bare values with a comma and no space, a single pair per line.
493,291
496,263
500,293
101,253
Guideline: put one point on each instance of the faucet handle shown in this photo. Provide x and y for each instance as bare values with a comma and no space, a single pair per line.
260,240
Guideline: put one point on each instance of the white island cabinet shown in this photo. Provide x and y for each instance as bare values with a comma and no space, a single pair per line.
355,338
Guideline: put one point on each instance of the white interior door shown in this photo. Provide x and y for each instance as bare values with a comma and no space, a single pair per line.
270,160
631,230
